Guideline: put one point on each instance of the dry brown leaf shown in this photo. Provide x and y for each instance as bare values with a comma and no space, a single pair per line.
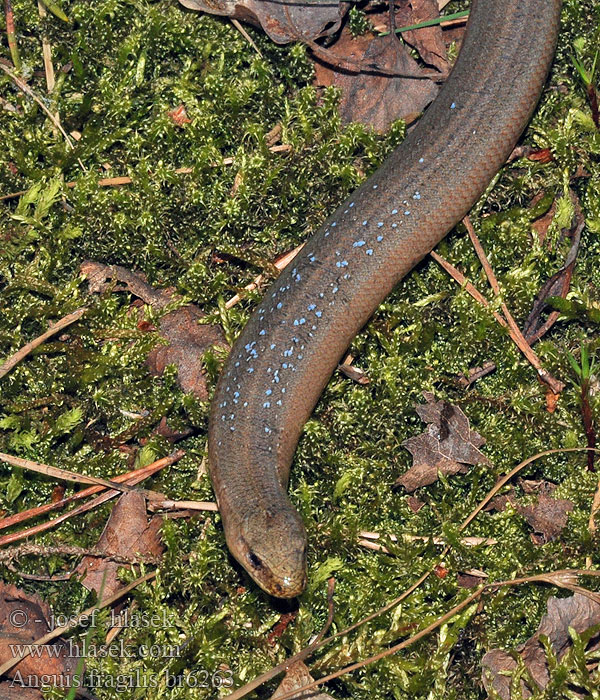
282,21
446,447
295,677
428,41
372,98
188,340
23,619
128,534
578,612
9,690
548,516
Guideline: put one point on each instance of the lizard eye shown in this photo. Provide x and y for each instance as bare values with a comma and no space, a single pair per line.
254,560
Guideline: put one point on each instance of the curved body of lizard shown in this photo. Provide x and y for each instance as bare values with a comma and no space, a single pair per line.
285,355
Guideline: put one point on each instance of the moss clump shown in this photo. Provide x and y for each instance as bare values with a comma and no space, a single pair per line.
121,68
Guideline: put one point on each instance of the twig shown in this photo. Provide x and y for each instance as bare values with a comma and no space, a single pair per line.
53,330
90,505
26,649
63,474
555,385
133,476
464,282
246,36
46,52
368,542
183,505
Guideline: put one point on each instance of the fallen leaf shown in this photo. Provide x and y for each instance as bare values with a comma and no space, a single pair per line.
428,41
282,21
188,340
414,504
471,579
369,96
548,516
578,612
446,447
127,535
25,618
9,690
295,677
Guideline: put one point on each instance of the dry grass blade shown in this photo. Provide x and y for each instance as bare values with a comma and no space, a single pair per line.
63,474
14,360
126,180
138,474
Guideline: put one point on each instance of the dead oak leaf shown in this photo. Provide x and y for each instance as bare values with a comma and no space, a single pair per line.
578,612
127,535
446,447
428,41
187,338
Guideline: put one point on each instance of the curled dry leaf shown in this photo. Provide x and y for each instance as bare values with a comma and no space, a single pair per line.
25,618
188,340
128,535
281,21
295,677
8,690
578,612
446,447
546,515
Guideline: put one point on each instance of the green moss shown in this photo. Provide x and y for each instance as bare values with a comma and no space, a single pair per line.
126,65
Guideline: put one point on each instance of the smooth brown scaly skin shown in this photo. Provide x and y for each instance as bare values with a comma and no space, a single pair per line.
284,357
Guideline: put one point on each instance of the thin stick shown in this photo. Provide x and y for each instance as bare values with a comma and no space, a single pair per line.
184,505
464,282
90,505
63,474
53,330
555,385
47,53
246,36
85,616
